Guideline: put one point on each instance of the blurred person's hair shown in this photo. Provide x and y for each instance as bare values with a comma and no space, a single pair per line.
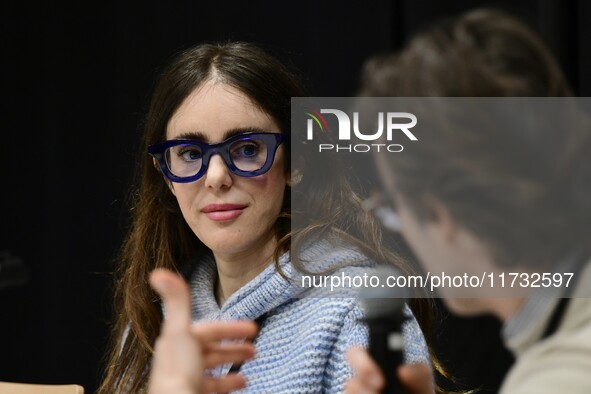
482,53
529,203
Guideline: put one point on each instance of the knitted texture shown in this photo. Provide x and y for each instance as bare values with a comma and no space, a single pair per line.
303,338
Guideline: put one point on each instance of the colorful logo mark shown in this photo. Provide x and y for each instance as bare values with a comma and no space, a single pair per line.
319,119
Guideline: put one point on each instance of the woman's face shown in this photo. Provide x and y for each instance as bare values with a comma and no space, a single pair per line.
230,214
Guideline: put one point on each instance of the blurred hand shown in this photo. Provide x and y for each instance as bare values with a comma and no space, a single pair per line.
183,350
416,378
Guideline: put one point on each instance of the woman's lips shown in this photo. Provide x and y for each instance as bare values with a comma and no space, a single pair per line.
222,212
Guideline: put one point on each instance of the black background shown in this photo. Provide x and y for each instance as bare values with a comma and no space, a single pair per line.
75,81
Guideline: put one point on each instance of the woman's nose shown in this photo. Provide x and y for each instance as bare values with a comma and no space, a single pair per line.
218,174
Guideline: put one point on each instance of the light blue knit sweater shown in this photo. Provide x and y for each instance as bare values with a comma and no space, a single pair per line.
302,340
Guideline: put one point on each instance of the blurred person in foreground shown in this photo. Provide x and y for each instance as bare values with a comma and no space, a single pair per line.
496,198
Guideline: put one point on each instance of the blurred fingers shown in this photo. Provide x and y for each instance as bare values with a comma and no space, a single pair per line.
217,331
367,371
417,378
224,384
228,354
355,386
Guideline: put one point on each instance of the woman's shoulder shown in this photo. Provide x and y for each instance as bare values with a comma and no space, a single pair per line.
325,318
333,252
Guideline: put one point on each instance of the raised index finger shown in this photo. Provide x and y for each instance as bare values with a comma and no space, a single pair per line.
177,302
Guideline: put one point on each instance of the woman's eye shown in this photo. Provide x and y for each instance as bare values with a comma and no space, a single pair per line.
190,154
245,150
250,150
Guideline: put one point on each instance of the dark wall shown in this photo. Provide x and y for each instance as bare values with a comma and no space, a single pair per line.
75,82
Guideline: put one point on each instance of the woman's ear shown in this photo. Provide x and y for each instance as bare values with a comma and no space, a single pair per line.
170,186
169,183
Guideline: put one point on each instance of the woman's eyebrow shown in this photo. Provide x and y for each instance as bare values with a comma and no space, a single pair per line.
196,135
240,130
191,135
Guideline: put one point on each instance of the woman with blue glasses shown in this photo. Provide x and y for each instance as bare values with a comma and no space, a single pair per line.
213,203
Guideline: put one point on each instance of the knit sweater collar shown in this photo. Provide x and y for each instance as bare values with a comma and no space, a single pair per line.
265,292
269,289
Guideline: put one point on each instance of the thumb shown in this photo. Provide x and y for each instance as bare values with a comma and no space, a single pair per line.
175,295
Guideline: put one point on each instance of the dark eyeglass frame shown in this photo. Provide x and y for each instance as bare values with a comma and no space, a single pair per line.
271,140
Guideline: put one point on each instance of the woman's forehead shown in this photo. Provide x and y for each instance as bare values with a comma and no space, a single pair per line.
215,109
